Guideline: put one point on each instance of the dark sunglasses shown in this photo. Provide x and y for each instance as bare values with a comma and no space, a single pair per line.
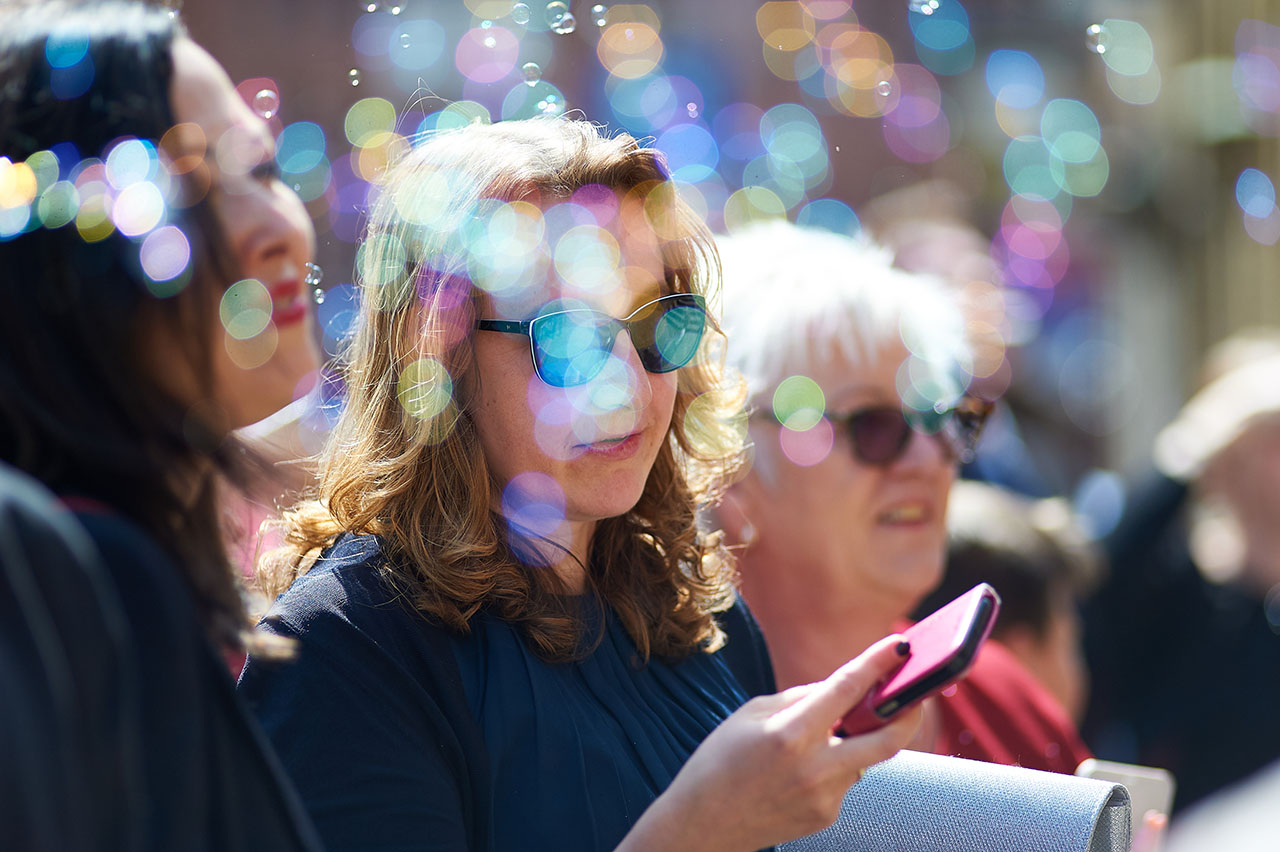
880,435
571,347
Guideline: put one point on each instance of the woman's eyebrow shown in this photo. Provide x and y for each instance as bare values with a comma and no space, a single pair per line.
650,293
845,399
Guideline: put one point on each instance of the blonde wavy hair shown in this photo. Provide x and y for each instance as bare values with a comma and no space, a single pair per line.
405,462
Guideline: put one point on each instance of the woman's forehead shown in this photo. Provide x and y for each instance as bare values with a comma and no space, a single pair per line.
593,251
632,288
203,94
203,97
849,376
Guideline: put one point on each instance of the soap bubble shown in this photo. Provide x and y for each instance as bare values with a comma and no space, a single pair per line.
551,105
1097,37
266,103
314,275
532,72
556,12
354,76
560,19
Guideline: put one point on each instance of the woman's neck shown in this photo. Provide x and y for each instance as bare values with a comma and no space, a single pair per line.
566,552
809,631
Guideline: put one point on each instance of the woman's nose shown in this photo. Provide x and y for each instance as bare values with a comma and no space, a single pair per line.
925,450
623,382
279,232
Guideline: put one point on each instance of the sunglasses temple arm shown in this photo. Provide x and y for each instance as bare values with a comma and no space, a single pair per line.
505,326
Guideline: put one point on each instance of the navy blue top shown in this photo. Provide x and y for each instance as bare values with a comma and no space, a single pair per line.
401,735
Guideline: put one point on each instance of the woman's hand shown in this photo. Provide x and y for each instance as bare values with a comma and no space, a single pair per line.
773,771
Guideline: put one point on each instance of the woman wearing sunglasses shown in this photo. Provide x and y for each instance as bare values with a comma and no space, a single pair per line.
860,417
510,633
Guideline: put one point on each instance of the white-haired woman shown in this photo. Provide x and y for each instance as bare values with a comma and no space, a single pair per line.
857,378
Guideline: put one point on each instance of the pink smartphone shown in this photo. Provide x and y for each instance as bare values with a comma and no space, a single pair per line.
943,647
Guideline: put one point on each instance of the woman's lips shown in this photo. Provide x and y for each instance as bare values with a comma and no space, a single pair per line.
911,513
615,449
288,303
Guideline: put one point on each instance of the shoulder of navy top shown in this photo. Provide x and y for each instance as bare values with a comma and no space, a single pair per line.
347,572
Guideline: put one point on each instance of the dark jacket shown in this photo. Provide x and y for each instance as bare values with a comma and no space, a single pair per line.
119,724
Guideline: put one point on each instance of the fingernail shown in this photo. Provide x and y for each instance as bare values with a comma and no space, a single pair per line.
903,648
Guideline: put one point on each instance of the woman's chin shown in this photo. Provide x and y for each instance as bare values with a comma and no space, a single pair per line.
911,576
604,504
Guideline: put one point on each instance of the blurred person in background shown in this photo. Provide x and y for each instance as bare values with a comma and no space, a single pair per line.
1241,817
859,418
928,228
1183,638
151,300
1040,562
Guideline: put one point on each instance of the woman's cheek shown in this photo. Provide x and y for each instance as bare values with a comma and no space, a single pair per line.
568,419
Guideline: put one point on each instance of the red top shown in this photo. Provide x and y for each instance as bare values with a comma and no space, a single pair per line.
1001,714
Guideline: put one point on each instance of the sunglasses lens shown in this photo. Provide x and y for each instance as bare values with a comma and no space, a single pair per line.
930,422
667,332
571,347
879,435
969,418
958,428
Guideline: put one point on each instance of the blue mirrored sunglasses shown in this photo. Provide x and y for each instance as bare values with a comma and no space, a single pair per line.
571,347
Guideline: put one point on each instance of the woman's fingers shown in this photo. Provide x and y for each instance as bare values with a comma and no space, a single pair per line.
1151,833
768,705
775,765
818,710
880,744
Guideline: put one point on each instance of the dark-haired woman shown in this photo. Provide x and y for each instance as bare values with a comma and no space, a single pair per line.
511,634
151,299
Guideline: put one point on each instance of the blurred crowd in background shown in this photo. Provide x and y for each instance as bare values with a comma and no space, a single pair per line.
1095,179
1108,168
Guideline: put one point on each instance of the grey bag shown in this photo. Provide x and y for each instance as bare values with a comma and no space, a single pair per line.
916,802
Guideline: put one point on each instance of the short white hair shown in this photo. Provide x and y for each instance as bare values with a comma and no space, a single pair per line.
791,292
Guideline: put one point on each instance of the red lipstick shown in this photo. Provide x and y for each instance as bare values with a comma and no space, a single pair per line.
288,303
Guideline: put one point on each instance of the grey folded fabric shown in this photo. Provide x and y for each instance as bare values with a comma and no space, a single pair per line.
918,802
